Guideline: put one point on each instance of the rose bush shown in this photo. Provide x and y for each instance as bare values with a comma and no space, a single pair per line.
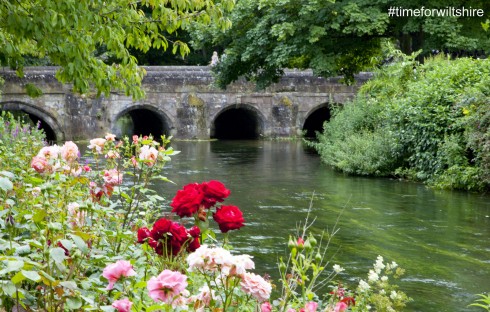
81,234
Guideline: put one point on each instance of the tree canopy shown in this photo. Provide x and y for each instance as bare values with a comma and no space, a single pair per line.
339,37
81,36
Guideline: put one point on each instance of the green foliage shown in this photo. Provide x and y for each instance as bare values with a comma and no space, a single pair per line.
483,302
366,153
424,122
335,37
72,33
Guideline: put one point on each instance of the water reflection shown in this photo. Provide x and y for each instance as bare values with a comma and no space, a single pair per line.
440,238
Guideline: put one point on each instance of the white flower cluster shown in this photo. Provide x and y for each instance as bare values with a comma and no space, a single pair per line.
337,268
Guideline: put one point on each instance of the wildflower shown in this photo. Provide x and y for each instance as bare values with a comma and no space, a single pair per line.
373,276
378,266
113,272
363,286
393,295
166,286
337,268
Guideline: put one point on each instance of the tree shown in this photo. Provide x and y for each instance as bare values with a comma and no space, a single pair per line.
81,35
339,37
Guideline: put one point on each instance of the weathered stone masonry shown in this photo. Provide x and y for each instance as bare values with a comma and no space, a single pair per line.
182,98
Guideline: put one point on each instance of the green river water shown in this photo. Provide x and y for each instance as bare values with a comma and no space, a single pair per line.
441,238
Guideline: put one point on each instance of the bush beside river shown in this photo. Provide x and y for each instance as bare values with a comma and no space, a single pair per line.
427,122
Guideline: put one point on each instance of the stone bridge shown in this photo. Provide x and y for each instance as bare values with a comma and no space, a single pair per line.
182,102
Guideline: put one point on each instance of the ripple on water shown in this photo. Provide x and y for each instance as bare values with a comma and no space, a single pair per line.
440,283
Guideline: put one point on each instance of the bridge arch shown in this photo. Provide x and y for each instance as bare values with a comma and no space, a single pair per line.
238,122
142,119
48,123
315,119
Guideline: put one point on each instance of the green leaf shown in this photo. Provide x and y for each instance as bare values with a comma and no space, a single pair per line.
69,284
141,284
6,184
9,288
8,174
39,215
80,243
33,91
57,254
32,275
73,303
13,265
18,278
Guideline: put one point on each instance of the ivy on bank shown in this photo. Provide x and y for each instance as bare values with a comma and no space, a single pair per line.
426,122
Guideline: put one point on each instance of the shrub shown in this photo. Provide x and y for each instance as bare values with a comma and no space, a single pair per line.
424,122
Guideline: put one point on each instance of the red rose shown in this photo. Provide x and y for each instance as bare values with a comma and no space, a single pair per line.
194,245
160,228
187,201
178,238
143,234
214,191
228,218
194,231
153,243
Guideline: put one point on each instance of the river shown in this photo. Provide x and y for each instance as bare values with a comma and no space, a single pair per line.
441,238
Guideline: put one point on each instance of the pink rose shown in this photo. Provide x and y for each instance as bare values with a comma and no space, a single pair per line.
70,152
311,306
49,152
110,137
97,144
113,272
39,164
112,177
148,155
265,307
166,286
256,286
123,305
340,307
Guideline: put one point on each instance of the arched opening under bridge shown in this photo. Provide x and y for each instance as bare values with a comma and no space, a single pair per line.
141,121
34,118
237,123
315,120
